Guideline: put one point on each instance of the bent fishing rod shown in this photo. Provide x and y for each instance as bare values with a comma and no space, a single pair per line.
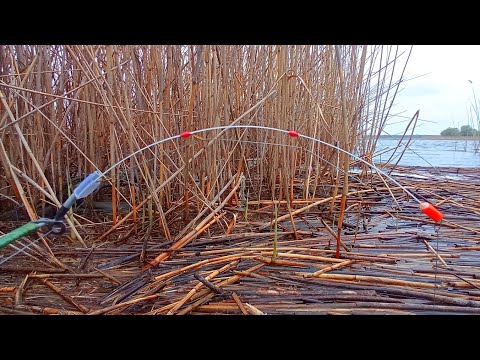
93,181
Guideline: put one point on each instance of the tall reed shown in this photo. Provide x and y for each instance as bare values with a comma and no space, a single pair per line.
70,109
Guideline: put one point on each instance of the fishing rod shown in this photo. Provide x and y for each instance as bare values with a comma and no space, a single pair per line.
93,181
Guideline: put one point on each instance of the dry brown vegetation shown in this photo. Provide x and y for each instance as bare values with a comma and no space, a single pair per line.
67,110
179,223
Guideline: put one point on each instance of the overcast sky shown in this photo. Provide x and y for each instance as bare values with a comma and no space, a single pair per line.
442,95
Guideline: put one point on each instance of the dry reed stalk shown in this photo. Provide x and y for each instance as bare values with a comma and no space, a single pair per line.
475,210
468,248
282,202
46,310
439,295
199,264
449,275
231,224
67,298
228,281
22,82
239,303
209,207
418,255
335,236
464,283
298,309
346,146
7,289
309,206
66,276
357,308
376,279
108,276
20,291
276,261
208,221
305,257
382,258
435,252
330,268
187,297
124,304
18,191
253,310
413,120
16,184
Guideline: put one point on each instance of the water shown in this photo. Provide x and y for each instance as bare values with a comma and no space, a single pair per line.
425,152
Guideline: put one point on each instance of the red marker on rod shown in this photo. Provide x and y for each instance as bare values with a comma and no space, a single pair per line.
185,134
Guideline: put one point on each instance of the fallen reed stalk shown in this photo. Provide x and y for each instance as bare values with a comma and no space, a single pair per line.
329,268
187,297
67,298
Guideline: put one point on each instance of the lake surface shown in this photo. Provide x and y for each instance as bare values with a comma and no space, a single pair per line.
423,152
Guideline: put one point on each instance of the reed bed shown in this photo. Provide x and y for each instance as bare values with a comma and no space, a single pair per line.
67,110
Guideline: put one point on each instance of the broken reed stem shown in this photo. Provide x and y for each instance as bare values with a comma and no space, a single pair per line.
208,221
124,304
253,310
230,280
330,268
239,303
67,298
187,297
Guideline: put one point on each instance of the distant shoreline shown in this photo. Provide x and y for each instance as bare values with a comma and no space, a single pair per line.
431,137
440,137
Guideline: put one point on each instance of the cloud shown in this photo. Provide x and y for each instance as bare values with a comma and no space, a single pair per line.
419,89
443,94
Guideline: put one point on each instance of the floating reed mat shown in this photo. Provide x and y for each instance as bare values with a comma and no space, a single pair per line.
395,264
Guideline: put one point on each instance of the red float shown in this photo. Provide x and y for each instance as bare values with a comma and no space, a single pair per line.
431,211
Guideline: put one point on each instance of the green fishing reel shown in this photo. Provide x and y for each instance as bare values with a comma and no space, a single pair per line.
57,227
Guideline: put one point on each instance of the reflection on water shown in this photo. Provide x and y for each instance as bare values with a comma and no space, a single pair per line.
422,152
